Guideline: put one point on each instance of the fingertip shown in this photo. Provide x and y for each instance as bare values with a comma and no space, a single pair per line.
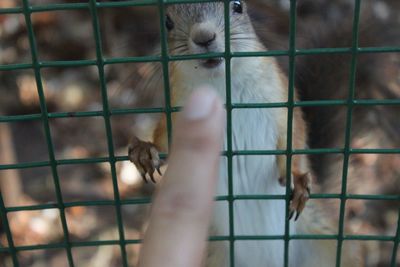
201,103
201,124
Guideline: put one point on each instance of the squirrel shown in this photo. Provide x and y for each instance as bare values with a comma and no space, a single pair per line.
199,28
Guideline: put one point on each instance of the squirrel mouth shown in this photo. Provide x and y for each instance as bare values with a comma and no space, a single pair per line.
211,63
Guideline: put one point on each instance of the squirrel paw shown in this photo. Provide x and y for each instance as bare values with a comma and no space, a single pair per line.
145,157
300,194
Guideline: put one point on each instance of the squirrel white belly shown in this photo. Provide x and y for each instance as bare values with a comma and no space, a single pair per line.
199,28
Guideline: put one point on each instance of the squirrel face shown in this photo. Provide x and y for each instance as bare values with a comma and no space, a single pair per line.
200,28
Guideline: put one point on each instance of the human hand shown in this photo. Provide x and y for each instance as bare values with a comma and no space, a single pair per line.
181,212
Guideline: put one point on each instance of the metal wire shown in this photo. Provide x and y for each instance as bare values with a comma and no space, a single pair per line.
106,113
349,119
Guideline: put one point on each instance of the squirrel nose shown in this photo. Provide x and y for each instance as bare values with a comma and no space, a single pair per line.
204,40
202,35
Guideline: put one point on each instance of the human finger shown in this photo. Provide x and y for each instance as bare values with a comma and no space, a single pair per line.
181,212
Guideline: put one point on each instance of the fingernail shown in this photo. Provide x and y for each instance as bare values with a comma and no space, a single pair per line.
200,104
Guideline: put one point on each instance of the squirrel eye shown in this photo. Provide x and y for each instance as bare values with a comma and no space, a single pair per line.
237,7
169,23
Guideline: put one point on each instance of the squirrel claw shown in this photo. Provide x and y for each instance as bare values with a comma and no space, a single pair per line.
297,216
144,177
291,213
152,177
158,170
300,194
145,157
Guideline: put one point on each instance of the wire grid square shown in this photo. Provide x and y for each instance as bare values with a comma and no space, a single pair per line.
100,62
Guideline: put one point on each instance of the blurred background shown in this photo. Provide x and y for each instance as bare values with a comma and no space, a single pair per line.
134,31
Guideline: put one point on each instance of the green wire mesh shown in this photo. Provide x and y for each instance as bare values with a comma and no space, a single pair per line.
100,62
